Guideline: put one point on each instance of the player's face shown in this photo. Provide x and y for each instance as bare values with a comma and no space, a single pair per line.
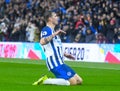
54,19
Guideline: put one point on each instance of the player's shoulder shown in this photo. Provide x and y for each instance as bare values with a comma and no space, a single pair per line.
46,28
46,31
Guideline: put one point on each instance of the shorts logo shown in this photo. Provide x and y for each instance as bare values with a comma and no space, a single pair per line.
69,73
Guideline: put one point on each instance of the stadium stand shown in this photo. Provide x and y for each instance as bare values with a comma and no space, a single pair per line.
85,21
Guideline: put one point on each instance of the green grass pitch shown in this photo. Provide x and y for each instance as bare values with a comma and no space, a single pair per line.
19,74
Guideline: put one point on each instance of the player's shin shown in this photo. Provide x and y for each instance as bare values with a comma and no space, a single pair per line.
57,81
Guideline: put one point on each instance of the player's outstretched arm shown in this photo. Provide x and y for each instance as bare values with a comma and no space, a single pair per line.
46,40
69,56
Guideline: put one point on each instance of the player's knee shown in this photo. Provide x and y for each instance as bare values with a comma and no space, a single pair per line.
73,83
76,80
80,81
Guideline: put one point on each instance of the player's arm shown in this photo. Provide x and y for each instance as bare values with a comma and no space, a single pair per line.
47,39
69,56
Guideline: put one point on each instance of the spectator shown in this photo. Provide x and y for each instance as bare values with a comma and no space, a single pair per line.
90,37
22,36
3,32
117,35
30,32
101,28
110,31
100,38
36,35
79,38
118,38
92,28
14,37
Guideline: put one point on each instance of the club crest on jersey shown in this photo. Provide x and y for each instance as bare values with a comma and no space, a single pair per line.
44,33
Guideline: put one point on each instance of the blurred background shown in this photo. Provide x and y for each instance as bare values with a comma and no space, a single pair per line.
85,21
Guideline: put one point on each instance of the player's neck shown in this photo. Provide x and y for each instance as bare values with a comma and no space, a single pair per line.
52,26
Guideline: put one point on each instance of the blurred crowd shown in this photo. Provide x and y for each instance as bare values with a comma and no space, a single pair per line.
85,21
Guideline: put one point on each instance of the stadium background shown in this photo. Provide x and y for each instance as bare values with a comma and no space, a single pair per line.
93,37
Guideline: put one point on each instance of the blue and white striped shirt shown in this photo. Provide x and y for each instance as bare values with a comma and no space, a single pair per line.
53,49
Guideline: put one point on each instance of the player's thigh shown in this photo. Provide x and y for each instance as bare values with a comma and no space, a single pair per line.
64,72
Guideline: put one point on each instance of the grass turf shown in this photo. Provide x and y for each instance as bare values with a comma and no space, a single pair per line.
19,74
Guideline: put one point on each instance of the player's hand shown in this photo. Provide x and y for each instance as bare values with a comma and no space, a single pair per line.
69,56
60,32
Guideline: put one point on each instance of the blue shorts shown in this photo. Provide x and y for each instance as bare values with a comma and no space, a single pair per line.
63,71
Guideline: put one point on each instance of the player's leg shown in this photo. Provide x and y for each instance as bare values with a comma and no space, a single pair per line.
72,81
62,73
75,80
64,76
78,79
72,77
54,81
67,73
61,77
